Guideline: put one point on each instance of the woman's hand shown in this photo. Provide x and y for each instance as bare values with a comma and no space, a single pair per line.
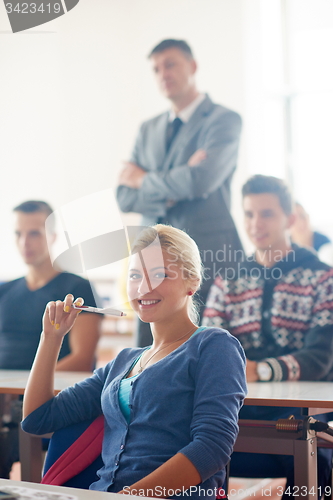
59,317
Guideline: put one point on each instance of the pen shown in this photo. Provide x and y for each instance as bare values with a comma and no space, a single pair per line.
106,310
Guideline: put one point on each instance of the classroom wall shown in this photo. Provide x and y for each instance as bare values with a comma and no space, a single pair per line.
75,90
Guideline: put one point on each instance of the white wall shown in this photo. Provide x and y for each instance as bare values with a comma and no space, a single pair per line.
74,91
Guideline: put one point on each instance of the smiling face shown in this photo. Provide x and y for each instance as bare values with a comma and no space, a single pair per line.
155,287
174,73
266,223
31,237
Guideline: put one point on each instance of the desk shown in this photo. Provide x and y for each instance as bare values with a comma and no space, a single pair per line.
317,397
262,437
313,397
14,382
80,494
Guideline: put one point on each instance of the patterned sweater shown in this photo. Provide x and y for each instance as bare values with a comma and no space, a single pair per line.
282,314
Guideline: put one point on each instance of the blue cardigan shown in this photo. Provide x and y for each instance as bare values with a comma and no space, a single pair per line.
187,402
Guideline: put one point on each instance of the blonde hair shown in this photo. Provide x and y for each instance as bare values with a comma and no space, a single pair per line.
180,245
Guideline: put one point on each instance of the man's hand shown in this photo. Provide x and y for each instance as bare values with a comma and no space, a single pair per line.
197,158
251,371
131,175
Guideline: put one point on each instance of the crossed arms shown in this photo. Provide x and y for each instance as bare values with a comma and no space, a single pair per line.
150,193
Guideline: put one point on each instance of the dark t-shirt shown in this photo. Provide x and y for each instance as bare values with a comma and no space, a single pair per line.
21,312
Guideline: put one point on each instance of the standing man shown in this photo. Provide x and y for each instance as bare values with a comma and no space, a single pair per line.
182,165
22,304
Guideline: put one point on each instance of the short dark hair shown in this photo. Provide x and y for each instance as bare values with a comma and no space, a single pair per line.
35,206
172,43
259,184
32,206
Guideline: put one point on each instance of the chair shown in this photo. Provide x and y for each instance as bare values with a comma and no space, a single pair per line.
74,455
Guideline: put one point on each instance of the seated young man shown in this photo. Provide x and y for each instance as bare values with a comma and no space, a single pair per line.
280,307
22,302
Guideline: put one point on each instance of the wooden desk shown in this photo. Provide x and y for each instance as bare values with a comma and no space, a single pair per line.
15,381
262,436
316,397
312,397
79,494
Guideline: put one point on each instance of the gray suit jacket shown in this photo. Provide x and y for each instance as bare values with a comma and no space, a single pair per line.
201,194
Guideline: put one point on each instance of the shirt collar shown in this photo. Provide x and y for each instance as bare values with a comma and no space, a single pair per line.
186,113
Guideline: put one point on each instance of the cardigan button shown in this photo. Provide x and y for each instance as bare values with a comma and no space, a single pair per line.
116,462
122,446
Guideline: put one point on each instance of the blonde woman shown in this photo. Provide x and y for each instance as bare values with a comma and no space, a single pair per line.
170,409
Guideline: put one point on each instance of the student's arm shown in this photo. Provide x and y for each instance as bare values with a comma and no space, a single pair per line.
56,323
84,335
167,478
314,360
83,339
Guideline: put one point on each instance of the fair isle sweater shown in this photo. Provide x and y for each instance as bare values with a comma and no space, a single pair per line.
282,315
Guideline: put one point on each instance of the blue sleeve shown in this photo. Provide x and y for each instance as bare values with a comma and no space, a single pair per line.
74,404
86,290
220,389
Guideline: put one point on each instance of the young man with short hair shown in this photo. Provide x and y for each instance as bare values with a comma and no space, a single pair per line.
280,307
23,301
